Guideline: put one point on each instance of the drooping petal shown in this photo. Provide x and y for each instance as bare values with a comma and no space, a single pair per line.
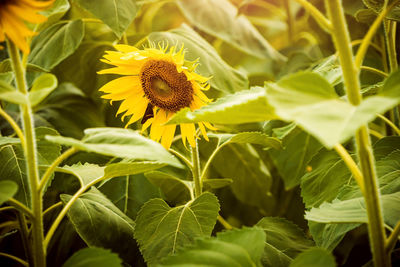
168,135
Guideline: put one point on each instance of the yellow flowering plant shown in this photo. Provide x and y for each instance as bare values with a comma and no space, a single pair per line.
199,133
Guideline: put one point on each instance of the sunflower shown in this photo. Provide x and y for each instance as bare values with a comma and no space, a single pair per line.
157,83
12,16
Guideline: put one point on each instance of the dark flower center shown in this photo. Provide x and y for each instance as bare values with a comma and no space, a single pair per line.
164,86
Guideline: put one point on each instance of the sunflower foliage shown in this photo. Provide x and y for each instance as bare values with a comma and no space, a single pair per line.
199,133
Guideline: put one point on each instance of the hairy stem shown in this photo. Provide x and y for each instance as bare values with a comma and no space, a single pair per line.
14,125
316,14
31,158
350,70
348,160
198,186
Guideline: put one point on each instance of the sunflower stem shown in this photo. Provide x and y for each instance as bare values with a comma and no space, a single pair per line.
31,158
196,171
350,69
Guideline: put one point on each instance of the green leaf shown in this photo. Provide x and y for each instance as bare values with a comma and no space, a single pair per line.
377,5
284,241
93,257
310,101
216,183
248,138
47,151
99,223
221,19
241,107
224,77
130,168
129,193
239,247
292,161
121,143
55,12
85,173
56,43
329,170
12,167
7,190
174,189
161,230
314,257
117,14
42,87
11,94
354,211
4,140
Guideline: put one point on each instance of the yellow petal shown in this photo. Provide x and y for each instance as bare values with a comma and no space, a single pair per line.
26,14
203,130
194,76
209,126
168,136
16,31
140,109
157,128
123,84
188,131
147,124
36,4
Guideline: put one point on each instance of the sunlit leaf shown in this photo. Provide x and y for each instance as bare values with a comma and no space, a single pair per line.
122,143
314,257
93,257
42,87
248,138
85,173
161,230
11,94
239,247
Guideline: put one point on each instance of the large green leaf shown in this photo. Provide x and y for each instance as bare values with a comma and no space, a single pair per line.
161,230
130,192
42,87
241,107
56,43
239,247
99,223
221,19
284,241
122,143
174,189
248,138
55,12
314,257
117,14
224,77
130,168
354,211
93,257
310,101
7,190
292,161
85,173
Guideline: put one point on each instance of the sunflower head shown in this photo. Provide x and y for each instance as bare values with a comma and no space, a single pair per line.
13,13
157,82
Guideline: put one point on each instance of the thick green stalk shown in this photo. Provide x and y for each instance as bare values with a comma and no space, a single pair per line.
342,42
196,171
31,158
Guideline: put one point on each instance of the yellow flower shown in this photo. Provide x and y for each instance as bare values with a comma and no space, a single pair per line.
157,83
12,16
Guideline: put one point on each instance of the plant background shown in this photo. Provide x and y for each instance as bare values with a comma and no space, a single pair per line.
268,178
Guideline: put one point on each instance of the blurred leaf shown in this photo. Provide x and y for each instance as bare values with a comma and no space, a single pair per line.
314,257
55,12
11,94
4,140
284,241
377,5
161,230
220,19
99,223
47,152
241,107
42,87
121,143
330,69
130,192
248,138
85,173
292,161
93,257
385,146
310,101
56,43
7,190
216,183
329,170
70,111
354,211
174,189
117,14
224,77
239,247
